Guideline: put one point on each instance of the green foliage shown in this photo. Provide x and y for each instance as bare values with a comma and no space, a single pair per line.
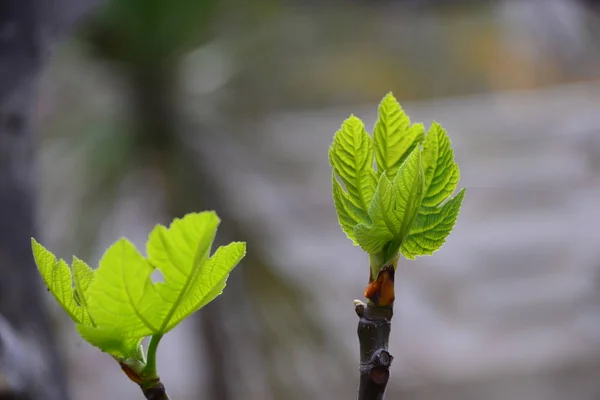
394,206
403,204
351,157
115,306
434,222
394,137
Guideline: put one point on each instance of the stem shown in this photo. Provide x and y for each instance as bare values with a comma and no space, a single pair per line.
149,382
156,392
150,368
375,360
374,325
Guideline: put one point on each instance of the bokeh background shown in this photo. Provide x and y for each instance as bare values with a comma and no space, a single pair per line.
151,109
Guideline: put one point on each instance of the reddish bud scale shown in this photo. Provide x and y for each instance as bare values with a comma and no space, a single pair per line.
131,374
381,291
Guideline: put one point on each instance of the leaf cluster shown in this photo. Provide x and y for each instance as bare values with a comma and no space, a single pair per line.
117,305
392,191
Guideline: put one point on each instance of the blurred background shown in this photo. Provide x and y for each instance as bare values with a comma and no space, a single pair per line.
151,109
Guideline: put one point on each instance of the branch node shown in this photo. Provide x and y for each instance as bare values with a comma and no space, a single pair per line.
382,358
359,307
156,392
380,376
375,360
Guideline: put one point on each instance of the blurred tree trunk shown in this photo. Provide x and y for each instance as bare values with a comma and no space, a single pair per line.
29,361
30,366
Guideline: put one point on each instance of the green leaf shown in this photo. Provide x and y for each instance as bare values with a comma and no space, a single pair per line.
394,206
123,297
112,341
192,279
394,137
408,186
440,170
430,230
219,265
82,277
371,237
57,276
351,157
441,174
117,305
408,209
348,214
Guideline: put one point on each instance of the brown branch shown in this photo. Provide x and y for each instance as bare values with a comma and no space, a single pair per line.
152,387
374,325
375,360
156,392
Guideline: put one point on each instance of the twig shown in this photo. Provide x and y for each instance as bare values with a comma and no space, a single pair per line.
150,369
375,319
156,392
151,385
145,374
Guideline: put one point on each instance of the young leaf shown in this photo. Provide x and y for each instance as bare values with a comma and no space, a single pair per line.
408,210
441,175
219,265
408,186
440,170
394,206
82,277
117,305
383,207
192,279
112,341
74,300
429,232
348,214
123,297
371,237
351,157
394,137
57,276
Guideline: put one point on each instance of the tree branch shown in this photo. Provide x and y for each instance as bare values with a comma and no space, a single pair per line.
374,325
156,392
151,386
144,374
